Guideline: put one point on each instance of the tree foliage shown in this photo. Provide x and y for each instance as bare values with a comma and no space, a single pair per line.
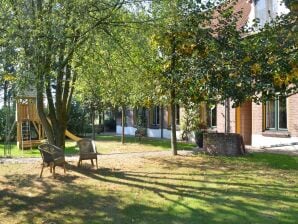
47,35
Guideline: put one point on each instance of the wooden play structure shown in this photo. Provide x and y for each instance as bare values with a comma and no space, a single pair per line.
30,132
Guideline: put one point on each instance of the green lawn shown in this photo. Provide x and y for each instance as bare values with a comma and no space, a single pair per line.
34,152
107,144
257,188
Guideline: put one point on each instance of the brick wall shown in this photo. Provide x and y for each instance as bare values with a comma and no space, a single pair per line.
292,112
257,121
230,144
221,118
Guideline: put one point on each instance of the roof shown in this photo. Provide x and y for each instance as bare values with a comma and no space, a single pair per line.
243,6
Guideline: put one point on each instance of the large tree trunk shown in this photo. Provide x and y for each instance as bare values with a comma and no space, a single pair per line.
123,125
55,122
41,112
173,124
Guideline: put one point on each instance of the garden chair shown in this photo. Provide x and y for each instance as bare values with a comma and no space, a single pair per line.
87,151
52,156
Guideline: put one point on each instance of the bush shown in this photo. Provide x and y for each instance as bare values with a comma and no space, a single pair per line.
3,113
2,123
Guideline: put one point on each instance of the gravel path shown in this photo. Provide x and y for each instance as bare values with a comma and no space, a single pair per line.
289,150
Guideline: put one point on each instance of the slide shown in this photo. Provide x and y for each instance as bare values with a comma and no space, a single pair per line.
72,136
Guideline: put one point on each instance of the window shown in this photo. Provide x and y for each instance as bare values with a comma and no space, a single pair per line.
276,114
155,115
211,117
177,111
265,10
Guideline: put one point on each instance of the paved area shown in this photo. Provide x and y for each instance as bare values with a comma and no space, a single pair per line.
287,149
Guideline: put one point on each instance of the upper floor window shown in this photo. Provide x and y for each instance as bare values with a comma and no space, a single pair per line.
276,114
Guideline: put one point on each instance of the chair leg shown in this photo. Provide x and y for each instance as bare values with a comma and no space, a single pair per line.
64,168
96,164
92,162
79,163
41,170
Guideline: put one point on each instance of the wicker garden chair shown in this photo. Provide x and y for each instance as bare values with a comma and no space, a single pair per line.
52,156
87,151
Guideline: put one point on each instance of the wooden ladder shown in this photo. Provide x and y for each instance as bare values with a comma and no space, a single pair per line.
26,134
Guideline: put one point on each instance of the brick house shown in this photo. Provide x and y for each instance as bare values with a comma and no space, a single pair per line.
157,122
269,124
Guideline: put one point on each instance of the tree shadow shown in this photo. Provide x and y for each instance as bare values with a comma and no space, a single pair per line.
275,161
266,160
179,191
48,200
162,143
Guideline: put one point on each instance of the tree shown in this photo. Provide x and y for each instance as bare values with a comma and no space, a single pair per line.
183,38
259,65
47,35
119,63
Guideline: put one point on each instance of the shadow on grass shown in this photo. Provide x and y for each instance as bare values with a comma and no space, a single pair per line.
163,143
34,152
276,161
54,201
168,195
270,160
231,201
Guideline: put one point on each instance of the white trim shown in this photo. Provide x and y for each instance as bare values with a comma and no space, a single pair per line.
263,141
152,133
127,130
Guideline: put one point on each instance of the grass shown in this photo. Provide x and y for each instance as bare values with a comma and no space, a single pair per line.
34,152
107,144
155,189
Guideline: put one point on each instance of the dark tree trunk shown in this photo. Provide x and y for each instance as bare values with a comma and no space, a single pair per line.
41,112
172,99
123,125
173,124
92,121
103,121
5,92
54,122
162,122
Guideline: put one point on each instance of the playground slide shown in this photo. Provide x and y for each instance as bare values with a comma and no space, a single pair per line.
72,136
